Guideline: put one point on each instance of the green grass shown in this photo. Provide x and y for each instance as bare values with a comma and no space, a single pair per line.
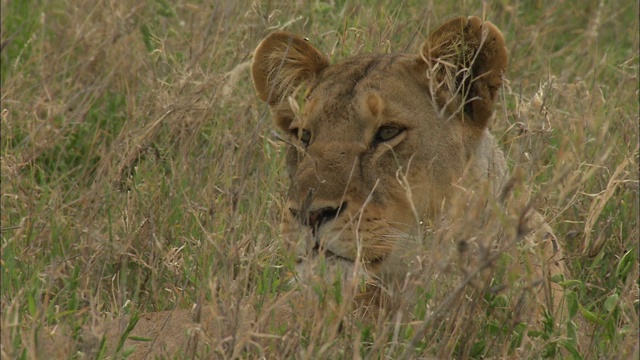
139,172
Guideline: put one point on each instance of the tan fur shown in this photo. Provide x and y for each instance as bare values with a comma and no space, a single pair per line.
357,203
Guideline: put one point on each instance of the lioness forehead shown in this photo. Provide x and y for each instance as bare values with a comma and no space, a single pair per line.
343,80
337,99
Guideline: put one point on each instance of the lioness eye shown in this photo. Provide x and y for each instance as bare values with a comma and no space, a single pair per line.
387,133
304,136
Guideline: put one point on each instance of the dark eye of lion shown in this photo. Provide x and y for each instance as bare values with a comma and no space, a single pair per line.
304,136
386,133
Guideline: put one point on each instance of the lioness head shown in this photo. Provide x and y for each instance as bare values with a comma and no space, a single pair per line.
377,144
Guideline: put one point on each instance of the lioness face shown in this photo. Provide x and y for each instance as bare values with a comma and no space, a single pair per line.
375,143
354,194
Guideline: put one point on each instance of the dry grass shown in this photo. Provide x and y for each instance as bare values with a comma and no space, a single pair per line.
139,173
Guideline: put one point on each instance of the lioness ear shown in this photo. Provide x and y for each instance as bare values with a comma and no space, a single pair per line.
467,58
281,63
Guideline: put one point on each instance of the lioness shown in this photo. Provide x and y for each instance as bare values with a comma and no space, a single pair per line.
381,147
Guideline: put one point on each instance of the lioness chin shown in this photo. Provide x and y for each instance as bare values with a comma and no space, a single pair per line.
383,150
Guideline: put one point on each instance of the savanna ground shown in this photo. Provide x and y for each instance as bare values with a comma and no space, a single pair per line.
140,174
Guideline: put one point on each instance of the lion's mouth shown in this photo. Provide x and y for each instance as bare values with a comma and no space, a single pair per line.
331,256
328,255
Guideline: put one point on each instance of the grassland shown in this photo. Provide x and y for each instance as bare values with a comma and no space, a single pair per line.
139,172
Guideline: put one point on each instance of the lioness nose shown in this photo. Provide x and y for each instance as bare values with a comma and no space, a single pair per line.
315,218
